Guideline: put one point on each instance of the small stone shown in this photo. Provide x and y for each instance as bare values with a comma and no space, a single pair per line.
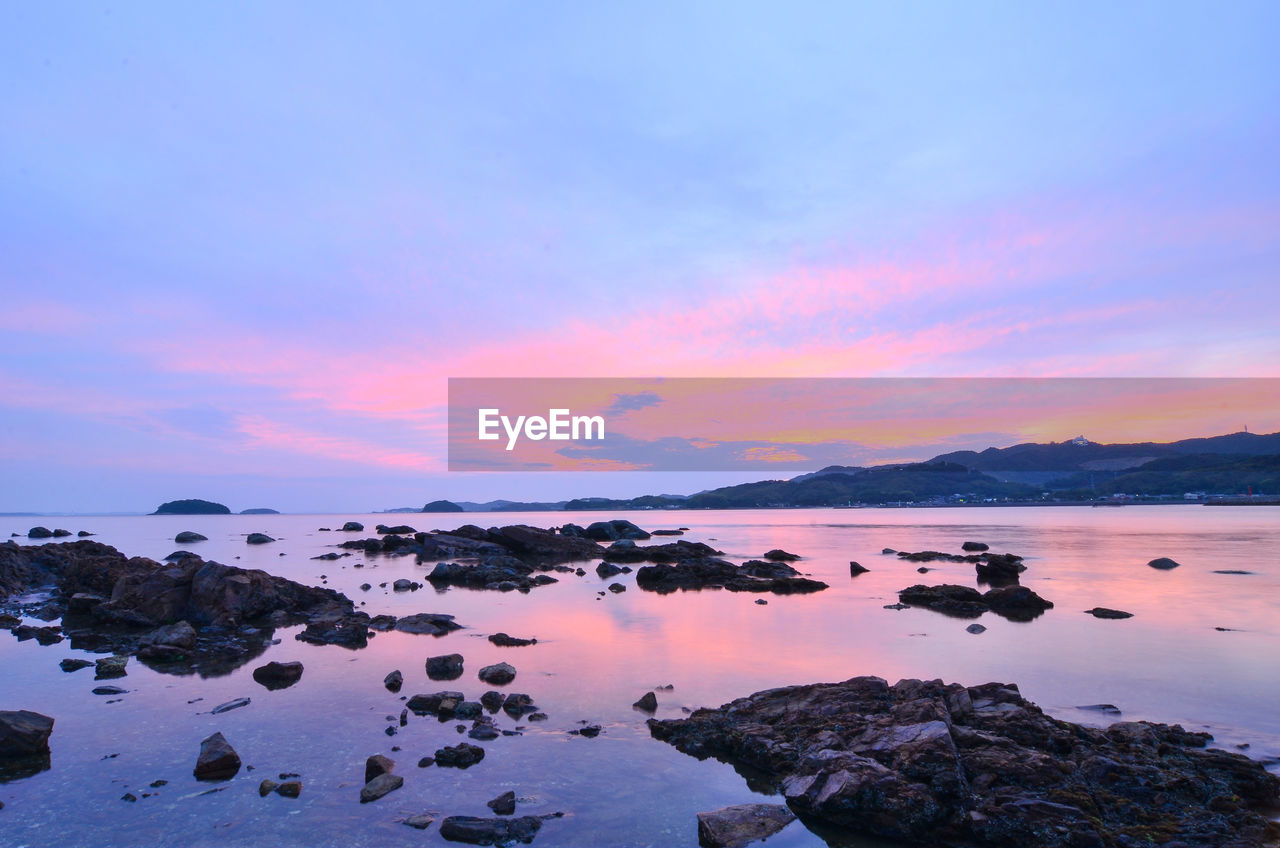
856,568
376,765
217,760
393,681
230,705
380,786
74,664
498,674
446,667
289,789
616,588
109,667
504,804
266,787
1163,563
421,821
975,628
462,755
1103,612
762,602
648,702
278,675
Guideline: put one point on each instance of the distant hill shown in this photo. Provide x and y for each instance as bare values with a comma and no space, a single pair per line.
260,511
191,506
442,506
1177,475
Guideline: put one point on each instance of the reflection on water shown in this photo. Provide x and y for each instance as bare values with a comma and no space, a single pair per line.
596,655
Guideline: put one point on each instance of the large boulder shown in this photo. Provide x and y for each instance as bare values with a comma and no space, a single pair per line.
611,531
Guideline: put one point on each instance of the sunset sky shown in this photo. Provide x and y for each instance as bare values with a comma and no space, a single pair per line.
244,246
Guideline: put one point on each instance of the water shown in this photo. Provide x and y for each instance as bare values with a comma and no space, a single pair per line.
596,655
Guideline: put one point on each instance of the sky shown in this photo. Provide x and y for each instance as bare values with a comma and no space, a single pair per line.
244,246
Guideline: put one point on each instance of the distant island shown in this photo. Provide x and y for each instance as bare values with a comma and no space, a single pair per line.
442,506
260,511
191,506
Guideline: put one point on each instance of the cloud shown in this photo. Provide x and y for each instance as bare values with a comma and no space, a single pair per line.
623,403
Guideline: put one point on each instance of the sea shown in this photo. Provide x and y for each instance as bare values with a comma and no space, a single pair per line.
1201,650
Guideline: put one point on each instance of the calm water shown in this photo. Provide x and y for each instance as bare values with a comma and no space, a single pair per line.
595,656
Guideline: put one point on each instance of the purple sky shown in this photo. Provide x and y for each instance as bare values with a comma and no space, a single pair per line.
243,246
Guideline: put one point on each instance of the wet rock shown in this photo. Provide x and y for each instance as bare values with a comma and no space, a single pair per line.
779,555
856,568
491,700
888,551
108,667
382,623
289,789
648,702
737,826
217,760
1104,612
502,640
762,602
462,755
39,533
278,675
74,664
504,804
439,703
376,765
975,629
380,786
228,706
941,764
678,551
617,588
590,731
711,573
43,635
769,569
186,537
666,533
427,623
24,733
422,821
975,546
393,681
258,539
517,704
498,674
1163,563
266,787
179,635
1017,603
347,631
607,569
1109,709
611,531
403,585
352,527
397,530
478,831
446,667
110,690
999,568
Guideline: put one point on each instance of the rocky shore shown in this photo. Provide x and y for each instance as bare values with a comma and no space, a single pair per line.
939,764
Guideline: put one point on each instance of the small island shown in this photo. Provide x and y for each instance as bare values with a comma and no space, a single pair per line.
191,506
260,511
442,506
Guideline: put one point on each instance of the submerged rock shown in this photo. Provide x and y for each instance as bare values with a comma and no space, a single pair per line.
278,675
217,760
942,764
478,831
737,826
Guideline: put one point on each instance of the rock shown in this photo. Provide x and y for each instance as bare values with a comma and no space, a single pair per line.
228,706
380,786
779,555
975,629
610,531
770,569
590,731
607,569
930,763
109,690
707,573
376,765
504,804
855,569
74,664
393,681
353,527
402,585
422,821
108,667
217,760
278,675
84,534
734,827
975,546
266,787
502,640
648,702
498,674
177,555
188,536
1103,612
427,623
191,506
397,530
44,635
462,755
678,551
999,568
1163,563
446,667
24,733
666,532
1109,709
258,539
39,533
762,602
179,635
1017,603
440,703
478,831
61,533
888,551
517,704
616,588
289,789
